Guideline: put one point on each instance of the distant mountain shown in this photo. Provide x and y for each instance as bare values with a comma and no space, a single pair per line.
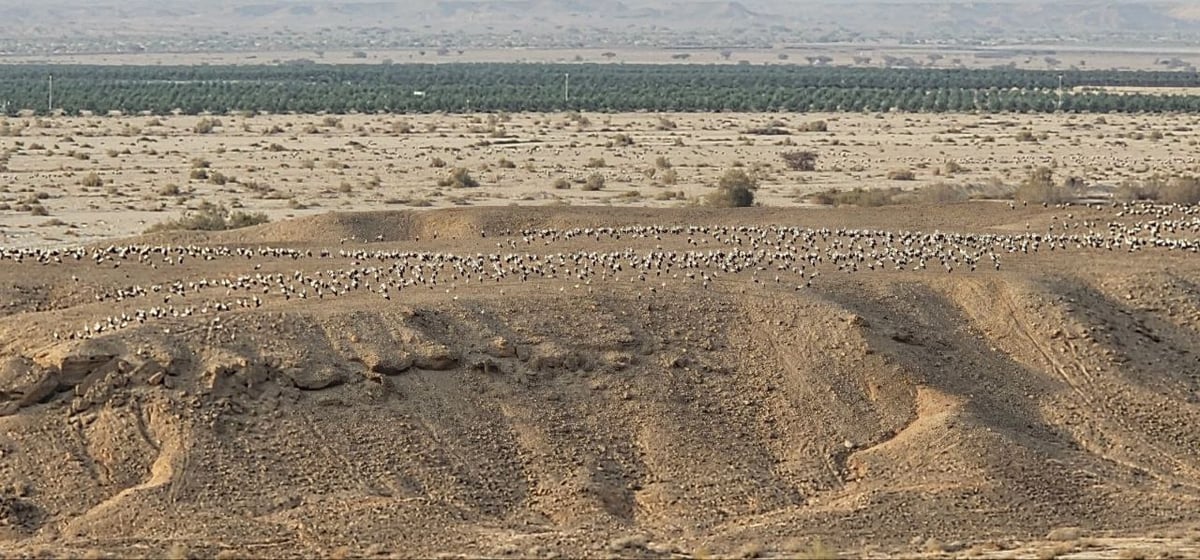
808,19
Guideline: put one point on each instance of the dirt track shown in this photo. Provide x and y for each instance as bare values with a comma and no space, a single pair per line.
1045,407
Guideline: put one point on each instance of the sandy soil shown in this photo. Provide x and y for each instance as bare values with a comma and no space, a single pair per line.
148,170
1031,57
488,382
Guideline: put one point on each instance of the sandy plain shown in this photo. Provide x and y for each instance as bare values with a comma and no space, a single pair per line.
69,180
311,387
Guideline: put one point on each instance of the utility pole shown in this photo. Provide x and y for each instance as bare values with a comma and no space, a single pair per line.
51,95
567,87
1060,92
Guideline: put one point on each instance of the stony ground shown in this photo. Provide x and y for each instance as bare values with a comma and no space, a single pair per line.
70,180
492,382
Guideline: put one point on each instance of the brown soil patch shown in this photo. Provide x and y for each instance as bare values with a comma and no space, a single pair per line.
1046,407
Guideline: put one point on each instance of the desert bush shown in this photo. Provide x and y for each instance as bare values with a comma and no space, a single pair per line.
942,193
169,189
861,197
579,119
669,177
459,177
622,140
951,167
814,126
91,180
662,162
768,131
800,160
210,217
437,162
1129,191
594,182
1039,188
595,163
735,189
206,125
506,163
562,184
1167,190
901,175
1180,190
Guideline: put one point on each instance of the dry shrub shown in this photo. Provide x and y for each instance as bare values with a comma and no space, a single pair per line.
814,126
1181,190
734,190
943,193
768,131
861,197
459,177
1039,188
800,160
211,217
91,180
622,140
901,175
594,182
206,125
1063,534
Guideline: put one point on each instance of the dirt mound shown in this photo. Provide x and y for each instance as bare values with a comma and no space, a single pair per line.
886,411
454,225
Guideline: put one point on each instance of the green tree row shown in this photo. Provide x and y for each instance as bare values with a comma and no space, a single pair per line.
592,87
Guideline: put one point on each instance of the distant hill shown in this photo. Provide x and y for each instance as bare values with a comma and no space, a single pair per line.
629,20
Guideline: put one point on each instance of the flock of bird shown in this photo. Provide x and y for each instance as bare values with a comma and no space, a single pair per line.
652,258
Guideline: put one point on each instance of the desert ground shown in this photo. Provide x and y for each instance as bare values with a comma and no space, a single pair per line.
400,365
965,380
71,180
1027,57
